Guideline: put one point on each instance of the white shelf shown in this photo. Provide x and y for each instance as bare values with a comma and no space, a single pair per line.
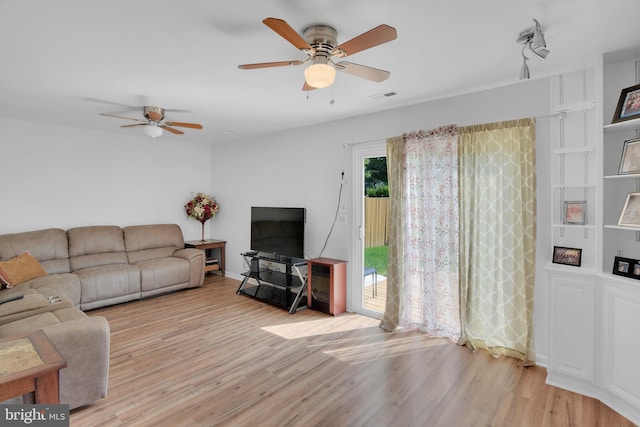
578,106
627,125
574,226
575,185
622,227
627,176
577,150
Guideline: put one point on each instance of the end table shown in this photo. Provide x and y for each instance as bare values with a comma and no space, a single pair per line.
211,262
29,363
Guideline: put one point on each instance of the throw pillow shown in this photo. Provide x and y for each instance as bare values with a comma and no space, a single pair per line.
20,269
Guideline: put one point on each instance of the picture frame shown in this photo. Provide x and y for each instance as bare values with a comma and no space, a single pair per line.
630,215
575,212
567,256
630,159
627,267
628,105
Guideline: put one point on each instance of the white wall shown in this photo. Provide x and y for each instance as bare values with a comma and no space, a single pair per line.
302,168
61,177
54,176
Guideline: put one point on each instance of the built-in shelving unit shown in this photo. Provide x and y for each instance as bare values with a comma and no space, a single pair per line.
593,313
573,162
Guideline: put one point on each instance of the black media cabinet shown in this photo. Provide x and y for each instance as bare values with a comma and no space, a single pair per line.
277,280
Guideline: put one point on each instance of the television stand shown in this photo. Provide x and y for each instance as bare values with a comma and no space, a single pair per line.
277,280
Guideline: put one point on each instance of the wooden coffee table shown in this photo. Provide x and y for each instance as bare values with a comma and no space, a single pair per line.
29,363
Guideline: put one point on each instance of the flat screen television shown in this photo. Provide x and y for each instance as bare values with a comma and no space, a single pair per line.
279,231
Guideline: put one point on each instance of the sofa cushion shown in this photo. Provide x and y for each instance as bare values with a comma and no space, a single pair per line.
53,284
162,272
108,284
20,269
145,242
39,321
96,245
49,246
31,302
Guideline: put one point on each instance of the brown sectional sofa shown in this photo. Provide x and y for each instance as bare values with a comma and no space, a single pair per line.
87,268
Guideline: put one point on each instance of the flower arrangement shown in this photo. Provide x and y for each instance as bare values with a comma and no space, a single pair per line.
203,208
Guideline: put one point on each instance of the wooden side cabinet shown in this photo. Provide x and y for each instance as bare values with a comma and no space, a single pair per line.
212,263
327,285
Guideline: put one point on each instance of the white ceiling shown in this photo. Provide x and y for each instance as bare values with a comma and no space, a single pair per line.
64,62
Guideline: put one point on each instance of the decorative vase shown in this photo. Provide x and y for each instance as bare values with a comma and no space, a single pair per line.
202,235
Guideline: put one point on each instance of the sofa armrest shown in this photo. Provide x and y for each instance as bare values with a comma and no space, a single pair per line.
188,253
28,305
196,267
84,344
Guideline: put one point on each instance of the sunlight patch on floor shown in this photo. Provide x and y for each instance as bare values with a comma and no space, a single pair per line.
326,326
402,345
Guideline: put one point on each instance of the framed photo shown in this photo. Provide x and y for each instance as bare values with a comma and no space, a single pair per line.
628,105
626,267
568,256
575,212
630,161
630,215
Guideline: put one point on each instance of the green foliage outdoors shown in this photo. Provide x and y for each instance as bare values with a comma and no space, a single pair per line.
376,257
375,177
376,185
382,191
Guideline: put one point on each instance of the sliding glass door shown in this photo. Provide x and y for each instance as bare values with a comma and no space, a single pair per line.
370,203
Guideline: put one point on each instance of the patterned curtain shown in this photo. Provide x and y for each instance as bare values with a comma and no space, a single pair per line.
497,237
422,282
395,177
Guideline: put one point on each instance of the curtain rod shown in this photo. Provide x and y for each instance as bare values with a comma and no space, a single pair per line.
558,115
352,144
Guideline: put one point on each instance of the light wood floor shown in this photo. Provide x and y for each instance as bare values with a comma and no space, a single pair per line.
207,357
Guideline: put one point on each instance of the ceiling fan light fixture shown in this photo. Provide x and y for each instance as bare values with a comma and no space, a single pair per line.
152,130
320,74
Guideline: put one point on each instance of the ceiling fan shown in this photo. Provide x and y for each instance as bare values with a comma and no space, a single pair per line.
153,122
320,45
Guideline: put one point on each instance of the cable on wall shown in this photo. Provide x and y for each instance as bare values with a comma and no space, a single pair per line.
335,218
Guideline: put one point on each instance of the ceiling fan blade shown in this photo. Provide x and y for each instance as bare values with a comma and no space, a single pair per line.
307,87
122,117
269,64
374,37
184,125
289,34
130,126
172,130
369,73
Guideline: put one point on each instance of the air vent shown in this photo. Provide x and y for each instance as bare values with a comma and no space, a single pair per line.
383,95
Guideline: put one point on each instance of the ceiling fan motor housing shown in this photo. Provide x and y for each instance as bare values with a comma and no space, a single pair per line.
155,114
322,38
